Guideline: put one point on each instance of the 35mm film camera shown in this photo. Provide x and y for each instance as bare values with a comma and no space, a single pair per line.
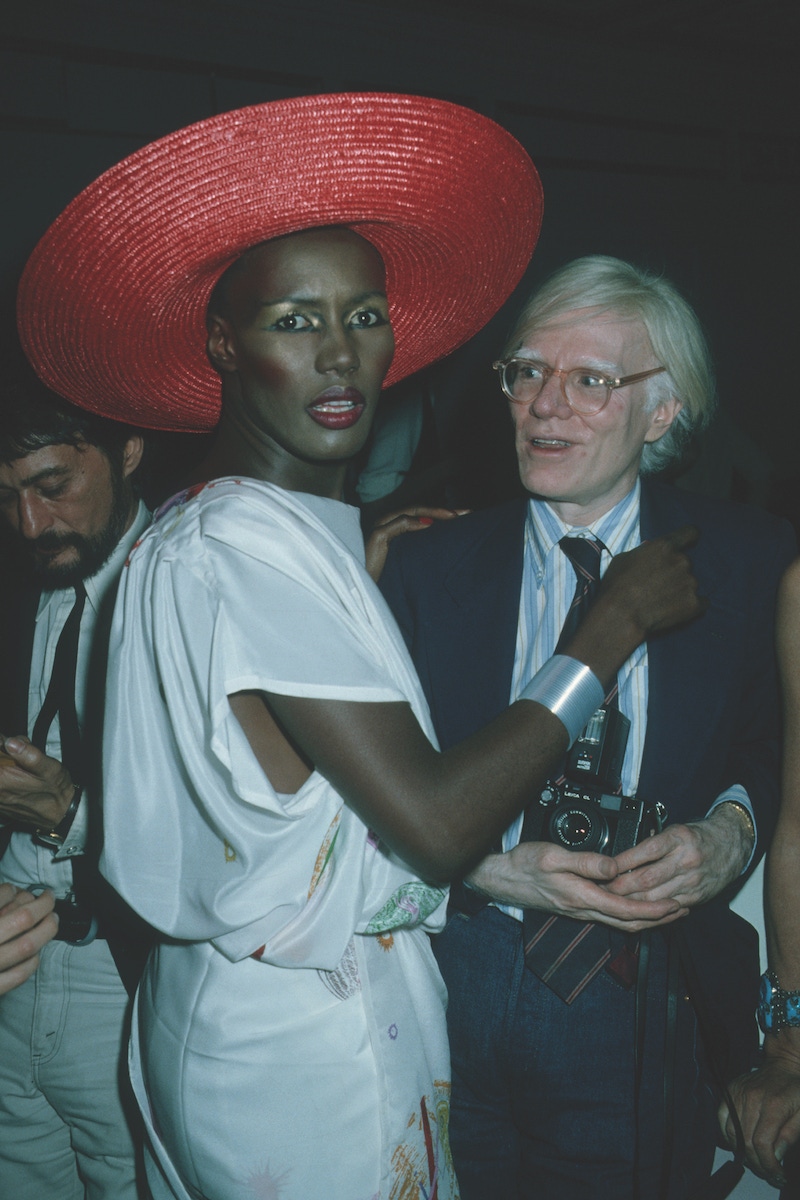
583,812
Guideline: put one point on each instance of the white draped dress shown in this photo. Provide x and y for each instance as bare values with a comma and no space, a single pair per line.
289,1039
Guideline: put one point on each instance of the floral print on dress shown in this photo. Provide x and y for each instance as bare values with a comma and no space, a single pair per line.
411,904
181,499
324,854
263,1185
420,1164
345,980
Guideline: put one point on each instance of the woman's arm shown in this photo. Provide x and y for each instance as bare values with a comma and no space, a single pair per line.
768,1101
442,812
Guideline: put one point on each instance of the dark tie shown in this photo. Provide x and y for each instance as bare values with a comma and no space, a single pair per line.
60,696
584,554
563,953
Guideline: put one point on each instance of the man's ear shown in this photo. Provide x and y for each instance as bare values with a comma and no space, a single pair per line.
662,417
132,454
221,344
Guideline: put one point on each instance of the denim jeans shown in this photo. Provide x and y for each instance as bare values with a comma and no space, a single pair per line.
69,1129
544,1093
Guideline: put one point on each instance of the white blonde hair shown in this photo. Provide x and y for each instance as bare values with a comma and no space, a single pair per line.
678,342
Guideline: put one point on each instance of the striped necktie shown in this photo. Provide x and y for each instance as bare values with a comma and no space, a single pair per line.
564,953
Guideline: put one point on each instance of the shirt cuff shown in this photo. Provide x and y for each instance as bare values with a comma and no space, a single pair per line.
738,794
75,841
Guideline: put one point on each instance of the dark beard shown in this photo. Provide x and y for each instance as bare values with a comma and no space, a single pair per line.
93,552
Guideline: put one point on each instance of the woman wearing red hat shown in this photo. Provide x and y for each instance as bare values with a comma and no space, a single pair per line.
275,802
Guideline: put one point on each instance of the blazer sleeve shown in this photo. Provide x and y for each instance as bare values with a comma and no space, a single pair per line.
754,760
714,705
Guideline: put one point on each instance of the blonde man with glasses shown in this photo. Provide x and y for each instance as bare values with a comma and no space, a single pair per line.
577,1065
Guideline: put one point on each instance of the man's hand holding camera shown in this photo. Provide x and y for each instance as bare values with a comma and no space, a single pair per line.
688,864
652,883
572,883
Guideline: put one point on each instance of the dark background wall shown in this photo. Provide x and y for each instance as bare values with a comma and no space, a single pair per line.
663,132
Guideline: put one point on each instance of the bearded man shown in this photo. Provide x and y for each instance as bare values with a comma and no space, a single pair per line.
70,515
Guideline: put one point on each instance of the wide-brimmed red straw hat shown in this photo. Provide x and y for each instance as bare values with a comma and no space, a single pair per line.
112,302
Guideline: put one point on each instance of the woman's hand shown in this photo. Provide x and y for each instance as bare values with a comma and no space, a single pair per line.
416,516
768,1104
645,591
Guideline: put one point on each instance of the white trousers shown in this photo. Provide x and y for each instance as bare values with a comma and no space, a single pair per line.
66,1110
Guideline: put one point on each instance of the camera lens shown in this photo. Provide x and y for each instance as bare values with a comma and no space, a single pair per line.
578,827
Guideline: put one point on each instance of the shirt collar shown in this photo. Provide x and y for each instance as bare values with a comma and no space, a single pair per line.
617,529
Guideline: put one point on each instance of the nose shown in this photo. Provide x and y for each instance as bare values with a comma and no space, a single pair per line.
551,401
33,517
338,352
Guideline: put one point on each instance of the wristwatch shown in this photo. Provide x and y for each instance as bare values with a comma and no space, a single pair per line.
57,836
777,1008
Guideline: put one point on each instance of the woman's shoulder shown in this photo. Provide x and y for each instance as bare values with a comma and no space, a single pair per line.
208,525
214,494
215,508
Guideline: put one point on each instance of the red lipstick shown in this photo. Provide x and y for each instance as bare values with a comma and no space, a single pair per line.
337,408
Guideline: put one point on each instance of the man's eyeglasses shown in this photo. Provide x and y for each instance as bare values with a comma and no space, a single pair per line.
586,392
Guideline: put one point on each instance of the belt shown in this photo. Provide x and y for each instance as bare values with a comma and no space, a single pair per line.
76,924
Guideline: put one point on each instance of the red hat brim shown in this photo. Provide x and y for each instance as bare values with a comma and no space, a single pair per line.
112,302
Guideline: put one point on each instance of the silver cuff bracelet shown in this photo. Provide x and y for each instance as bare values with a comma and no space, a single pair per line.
569,689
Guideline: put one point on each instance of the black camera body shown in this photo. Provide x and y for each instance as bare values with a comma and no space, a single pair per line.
590,819
584,811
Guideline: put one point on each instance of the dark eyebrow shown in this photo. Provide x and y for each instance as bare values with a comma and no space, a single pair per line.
45,474
316,302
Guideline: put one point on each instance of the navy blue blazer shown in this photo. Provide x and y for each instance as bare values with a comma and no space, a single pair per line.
713,711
